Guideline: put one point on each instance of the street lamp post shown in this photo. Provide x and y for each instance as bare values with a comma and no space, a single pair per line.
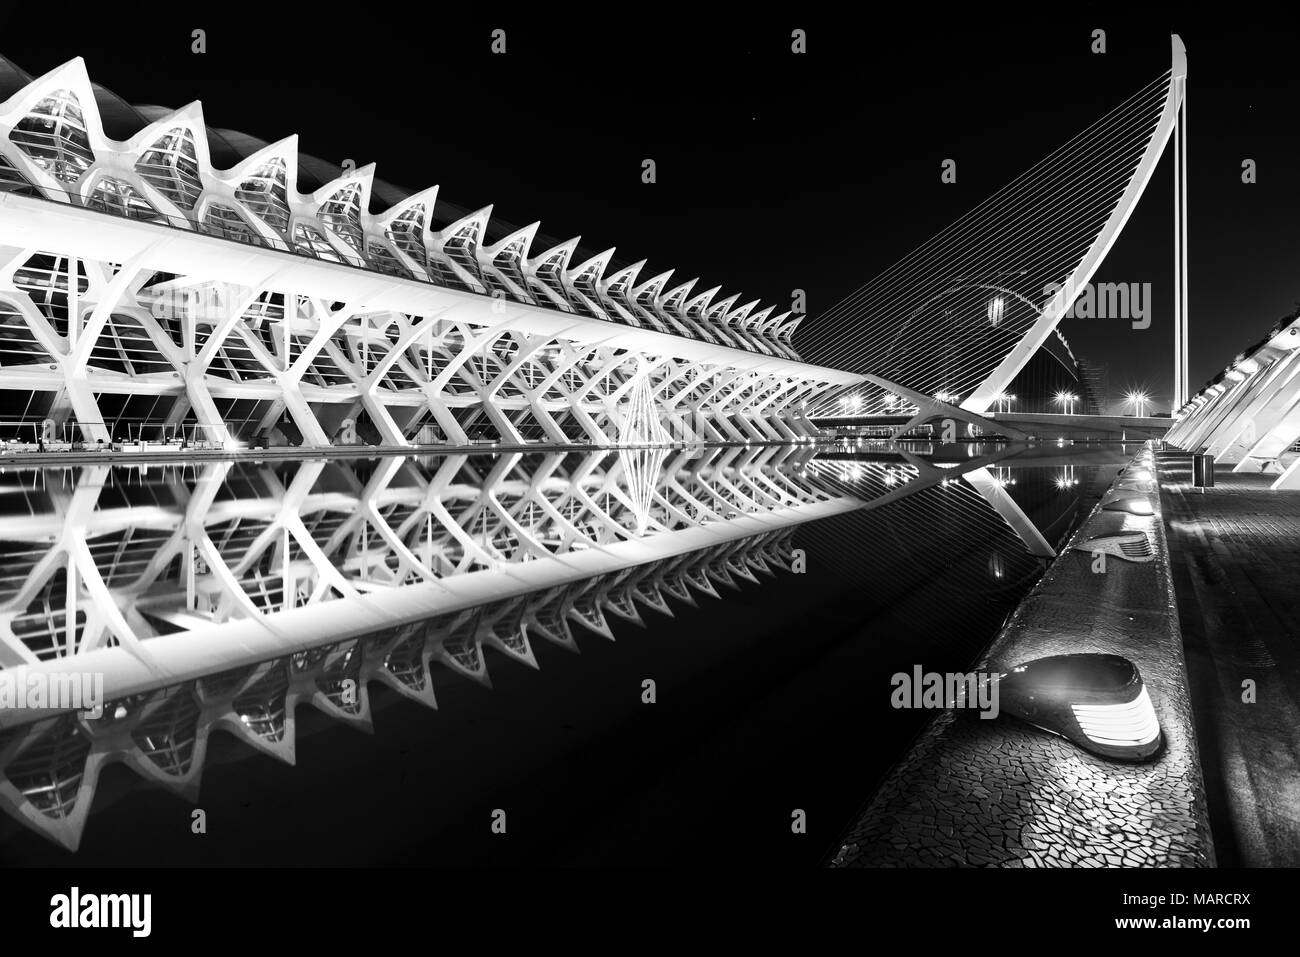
1066,400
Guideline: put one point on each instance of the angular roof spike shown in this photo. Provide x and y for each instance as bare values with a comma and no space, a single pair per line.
528,231
360,719
625,609
71,73
702,300
67,76
526,656
189,116
631,270
479,674
365,175
422,693
627,274
653,284
740,312
283,748
566,248
557,630
602,259
720,308
285,149
597,624
480,216
681,290
429,197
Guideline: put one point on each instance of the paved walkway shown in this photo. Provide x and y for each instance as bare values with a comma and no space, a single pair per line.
1000,793
1235,552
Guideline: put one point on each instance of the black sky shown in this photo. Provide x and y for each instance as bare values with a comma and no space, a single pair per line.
775,171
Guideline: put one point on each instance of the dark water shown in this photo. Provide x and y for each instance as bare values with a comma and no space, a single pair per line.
771,697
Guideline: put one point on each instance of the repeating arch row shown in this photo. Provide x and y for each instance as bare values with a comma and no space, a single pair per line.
53,144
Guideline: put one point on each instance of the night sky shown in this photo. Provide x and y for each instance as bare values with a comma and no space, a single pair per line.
775,171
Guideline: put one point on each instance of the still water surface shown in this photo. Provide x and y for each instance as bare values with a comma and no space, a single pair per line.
769,594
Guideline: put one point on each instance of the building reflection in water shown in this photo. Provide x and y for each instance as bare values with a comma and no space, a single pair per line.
222,596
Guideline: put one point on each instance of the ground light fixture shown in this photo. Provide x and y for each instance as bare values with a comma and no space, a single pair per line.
1096,701
1135,505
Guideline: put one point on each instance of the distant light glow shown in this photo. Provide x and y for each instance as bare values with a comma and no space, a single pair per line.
997,306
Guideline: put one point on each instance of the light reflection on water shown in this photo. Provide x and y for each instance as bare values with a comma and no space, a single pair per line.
761,589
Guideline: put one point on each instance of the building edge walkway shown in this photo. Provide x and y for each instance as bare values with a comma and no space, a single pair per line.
999,793
1234,557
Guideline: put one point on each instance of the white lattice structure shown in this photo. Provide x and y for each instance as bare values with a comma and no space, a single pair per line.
49,770
111,566
141,288
221,597
203,551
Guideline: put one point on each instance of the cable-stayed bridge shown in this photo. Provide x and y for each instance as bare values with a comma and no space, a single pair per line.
161,277
967,323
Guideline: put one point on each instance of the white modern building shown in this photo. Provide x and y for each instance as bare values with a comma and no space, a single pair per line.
161,278
1248,416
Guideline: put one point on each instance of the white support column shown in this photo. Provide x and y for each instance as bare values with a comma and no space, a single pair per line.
1180,247
299,410
380,416
1186,272
82,398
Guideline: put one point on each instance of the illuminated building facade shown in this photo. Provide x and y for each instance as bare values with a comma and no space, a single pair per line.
159,278
1248,416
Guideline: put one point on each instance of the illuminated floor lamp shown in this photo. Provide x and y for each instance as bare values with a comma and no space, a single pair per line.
1096,701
